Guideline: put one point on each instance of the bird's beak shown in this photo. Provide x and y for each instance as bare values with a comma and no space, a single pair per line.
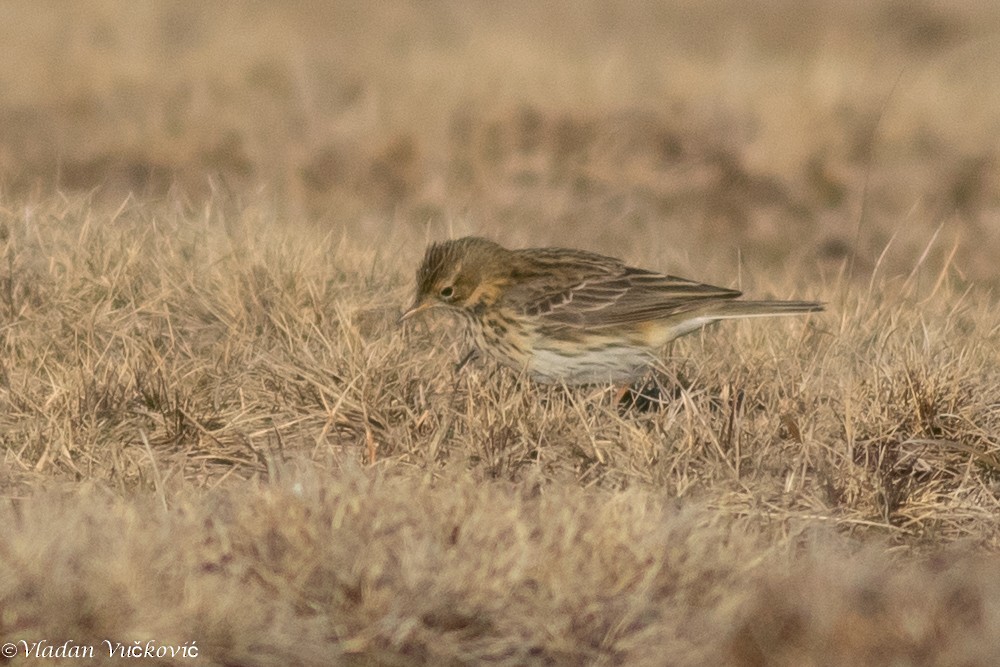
417,307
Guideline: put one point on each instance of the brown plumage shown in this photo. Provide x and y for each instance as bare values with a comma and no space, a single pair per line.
570,316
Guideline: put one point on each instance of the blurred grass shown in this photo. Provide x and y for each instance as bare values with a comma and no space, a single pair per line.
643,120
209,219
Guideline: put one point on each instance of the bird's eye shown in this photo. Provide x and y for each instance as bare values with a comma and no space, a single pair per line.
447,292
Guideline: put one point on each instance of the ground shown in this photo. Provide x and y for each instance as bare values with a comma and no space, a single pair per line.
215,433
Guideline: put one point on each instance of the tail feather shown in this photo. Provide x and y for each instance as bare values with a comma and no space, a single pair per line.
725,310
734,309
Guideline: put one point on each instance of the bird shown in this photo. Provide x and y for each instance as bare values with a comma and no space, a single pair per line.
568,316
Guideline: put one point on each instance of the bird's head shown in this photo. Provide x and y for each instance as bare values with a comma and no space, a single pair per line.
460,274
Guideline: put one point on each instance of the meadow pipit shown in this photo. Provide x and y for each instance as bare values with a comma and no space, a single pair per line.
569,316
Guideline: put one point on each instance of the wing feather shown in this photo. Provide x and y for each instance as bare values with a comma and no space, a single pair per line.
608,293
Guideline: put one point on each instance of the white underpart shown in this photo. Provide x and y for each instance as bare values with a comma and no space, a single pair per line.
620,362
688,326
612,364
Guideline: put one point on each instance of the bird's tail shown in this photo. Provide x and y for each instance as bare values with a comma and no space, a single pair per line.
733,309
725,310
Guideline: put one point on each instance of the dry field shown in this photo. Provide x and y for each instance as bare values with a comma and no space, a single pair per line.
214,433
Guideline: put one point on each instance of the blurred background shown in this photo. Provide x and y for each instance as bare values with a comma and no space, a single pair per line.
811,132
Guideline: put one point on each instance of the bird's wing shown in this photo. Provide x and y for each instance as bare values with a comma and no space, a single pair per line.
612,296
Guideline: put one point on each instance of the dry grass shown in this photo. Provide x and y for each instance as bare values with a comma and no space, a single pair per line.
213,429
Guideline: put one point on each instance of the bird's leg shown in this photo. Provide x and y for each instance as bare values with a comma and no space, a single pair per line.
472,354
621,393
642,396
